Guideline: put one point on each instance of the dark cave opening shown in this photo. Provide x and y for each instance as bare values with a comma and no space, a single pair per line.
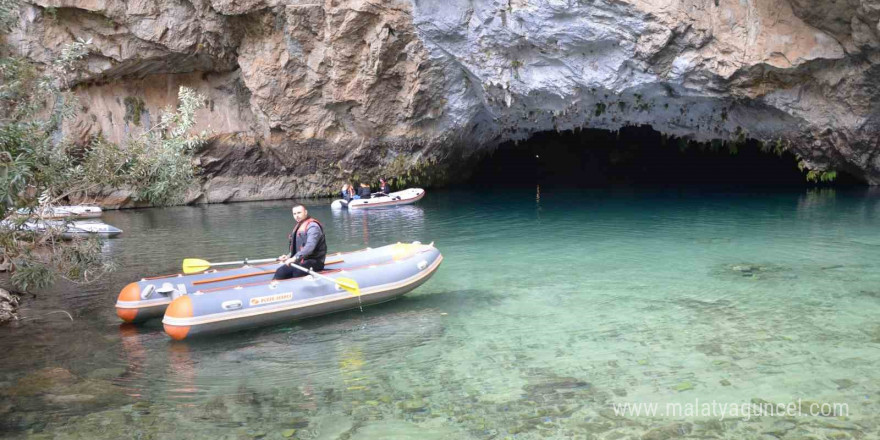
638,156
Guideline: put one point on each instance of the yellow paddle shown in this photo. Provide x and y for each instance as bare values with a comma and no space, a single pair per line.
346,283
193,265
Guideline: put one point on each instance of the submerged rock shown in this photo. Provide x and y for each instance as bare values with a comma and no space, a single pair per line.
413,405
684,386
106,373
673,430
46,380
752,271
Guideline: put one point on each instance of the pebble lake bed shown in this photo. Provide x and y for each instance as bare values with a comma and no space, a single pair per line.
556,314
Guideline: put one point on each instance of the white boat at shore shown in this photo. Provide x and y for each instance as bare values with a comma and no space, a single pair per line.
59,212
71,230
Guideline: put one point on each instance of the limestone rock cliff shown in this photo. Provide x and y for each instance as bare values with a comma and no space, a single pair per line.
304,95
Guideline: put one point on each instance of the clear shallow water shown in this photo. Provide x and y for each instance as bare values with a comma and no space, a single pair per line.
550,307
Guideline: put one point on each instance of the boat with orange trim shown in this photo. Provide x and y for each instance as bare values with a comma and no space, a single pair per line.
393,271
148,298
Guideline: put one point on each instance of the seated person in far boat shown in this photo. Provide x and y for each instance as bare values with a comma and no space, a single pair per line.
347,193
384,188
364,191
307,246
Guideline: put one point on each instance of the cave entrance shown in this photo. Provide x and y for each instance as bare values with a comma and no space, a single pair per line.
637,156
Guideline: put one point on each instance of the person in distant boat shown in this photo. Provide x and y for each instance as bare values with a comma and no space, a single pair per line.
384,188
352,192
364,191
307,246
347,193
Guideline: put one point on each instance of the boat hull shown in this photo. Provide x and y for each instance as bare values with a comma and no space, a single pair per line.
90,228
70,229
269,303
404,197
62,212
149,297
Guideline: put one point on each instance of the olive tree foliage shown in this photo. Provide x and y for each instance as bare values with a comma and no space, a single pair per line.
8,14
39,168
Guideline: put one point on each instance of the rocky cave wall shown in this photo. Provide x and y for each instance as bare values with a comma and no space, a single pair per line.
304,95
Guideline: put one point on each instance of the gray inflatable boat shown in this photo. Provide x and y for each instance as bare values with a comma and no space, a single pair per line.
389,272
148,298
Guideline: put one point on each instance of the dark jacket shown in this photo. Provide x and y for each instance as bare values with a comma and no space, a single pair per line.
386,188
364,192
307,241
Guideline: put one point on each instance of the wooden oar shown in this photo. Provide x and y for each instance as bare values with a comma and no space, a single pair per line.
346,283
232,277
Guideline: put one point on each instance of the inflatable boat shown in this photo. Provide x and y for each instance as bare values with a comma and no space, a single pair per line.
404,197
71,230
86,228
59,212
384,274
149,297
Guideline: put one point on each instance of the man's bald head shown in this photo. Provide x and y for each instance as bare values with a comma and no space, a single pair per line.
300,213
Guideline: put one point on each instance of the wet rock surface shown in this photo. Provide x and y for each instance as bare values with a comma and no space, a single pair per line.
301,97
8,306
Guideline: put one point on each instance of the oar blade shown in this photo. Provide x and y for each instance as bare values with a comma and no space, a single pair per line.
349,285
193,265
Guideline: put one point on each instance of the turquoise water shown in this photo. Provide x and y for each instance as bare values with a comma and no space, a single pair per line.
551,307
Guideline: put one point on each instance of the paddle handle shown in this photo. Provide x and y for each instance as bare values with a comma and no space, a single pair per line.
230,263
311,272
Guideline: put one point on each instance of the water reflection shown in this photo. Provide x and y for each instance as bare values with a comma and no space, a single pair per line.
378,227
182,372
135,359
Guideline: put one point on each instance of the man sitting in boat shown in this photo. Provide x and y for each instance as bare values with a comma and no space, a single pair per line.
307,246
364,191
384,188
347,193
